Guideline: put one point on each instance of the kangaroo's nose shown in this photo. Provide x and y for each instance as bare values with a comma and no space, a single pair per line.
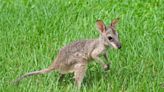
119,47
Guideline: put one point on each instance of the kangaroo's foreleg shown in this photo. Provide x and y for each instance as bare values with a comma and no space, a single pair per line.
95,55
106,58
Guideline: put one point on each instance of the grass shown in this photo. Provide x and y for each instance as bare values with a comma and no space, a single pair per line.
33,31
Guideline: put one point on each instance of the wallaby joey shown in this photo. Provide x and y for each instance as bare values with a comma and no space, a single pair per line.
74,58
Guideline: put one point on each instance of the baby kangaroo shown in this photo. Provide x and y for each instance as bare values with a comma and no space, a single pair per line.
75,57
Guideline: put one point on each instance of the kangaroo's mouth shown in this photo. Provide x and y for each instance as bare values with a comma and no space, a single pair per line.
116,46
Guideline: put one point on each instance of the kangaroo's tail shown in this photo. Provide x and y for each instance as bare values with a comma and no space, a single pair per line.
43,71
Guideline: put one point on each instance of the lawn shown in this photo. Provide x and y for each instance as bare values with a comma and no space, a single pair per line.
33,31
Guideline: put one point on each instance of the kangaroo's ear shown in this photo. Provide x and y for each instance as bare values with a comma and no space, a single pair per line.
114,22
101,26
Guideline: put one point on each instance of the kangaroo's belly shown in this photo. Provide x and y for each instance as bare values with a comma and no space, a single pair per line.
72,62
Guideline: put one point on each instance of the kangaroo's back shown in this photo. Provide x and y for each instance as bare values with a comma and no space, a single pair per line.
78,49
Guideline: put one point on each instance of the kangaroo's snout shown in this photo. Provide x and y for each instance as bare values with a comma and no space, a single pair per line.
119,46
116,45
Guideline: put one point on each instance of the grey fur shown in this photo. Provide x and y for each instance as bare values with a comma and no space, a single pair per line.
75,57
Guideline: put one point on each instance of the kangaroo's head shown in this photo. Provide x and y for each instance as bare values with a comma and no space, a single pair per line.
108,34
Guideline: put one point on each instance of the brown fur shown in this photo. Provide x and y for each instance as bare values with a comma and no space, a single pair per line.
75,57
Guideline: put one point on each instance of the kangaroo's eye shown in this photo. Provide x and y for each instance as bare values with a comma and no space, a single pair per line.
109,38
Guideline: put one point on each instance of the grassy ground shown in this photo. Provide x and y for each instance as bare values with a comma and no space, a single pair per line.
33,31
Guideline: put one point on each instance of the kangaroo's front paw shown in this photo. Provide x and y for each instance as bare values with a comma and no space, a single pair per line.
106,67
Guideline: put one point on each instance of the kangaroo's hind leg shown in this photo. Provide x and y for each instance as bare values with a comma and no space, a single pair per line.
61,77
79,73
